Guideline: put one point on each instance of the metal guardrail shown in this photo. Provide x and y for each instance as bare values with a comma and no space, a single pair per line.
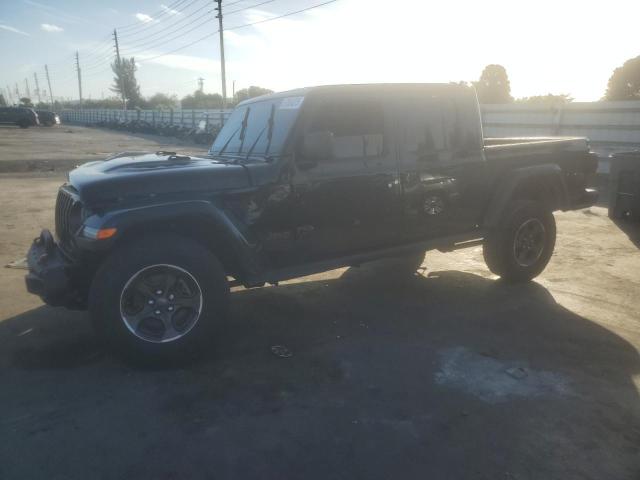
186,118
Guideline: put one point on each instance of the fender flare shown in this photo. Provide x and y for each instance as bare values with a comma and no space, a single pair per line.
549,174
162,214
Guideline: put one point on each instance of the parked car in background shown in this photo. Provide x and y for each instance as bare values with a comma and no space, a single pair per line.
21,116
47,118
624,186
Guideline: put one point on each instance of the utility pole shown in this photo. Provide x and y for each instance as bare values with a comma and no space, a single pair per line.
46,70
201,84
10,95
79,78
35,78
222,66
17,91
26,85
120,76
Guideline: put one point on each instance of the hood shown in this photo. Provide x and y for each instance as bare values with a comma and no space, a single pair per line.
150,174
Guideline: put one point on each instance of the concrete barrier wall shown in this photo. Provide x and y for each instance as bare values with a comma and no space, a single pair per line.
609,126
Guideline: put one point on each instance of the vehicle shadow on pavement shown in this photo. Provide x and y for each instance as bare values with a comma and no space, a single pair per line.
445,375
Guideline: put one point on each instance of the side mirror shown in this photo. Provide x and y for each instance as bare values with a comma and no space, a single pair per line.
316,146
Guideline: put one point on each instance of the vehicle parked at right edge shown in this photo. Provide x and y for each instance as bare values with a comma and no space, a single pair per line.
297,183
23,117
48,118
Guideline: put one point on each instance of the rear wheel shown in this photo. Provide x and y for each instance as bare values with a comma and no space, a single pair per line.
521,246
159,298
23,124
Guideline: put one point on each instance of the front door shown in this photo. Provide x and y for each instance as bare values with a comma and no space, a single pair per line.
350,202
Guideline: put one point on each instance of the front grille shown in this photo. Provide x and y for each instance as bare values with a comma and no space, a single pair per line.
67,215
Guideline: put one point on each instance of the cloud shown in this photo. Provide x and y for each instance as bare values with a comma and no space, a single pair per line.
168,10
144,18
48,27
12,29
185,62
55,12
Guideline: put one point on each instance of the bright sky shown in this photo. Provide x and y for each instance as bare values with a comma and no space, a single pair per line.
557,46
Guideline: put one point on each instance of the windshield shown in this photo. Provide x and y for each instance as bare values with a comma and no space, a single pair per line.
259,128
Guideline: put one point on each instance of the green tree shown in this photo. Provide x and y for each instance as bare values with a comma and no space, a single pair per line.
548,99
110,102
161,100
494,86
199,99
251,92
125,82
624,83
25,102
3,102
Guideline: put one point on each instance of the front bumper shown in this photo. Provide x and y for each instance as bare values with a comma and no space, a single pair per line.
49,274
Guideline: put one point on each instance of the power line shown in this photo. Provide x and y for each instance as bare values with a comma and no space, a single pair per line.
249,7
209,35
169,40
163,26
233,3
165,41
154,16
281,16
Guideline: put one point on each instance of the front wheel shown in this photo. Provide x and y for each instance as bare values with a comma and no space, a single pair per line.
159,298
520,248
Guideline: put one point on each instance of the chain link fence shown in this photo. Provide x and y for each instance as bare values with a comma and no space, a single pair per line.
185,118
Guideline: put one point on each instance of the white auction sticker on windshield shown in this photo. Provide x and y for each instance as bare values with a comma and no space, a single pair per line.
291,103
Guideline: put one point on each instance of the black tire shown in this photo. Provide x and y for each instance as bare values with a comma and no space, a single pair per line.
23,124
503,249
175,254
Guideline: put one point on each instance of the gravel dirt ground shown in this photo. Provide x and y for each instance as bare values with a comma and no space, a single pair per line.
450,374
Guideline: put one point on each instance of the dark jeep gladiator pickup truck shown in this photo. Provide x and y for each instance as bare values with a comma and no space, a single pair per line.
296,183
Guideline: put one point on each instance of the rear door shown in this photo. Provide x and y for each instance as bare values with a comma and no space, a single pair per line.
351,202
442,168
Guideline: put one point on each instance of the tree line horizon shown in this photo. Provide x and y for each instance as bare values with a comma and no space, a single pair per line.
493,87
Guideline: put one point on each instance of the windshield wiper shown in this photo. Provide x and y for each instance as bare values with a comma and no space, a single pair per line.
244,128
269,134
224,147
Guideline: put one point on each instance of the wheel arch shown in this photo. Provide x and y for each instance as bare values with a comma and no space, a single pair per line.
199,221
543,183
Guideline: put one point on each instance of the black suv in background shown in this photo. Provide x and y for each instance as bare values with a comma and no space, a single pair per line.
21,116
48,118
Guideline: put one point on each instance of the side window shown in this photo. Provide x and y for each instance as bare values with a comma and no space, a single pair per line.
430,128
357,126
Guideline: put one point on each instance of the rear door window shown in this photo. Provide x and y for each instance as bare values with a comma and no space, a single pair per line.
357,126
430,129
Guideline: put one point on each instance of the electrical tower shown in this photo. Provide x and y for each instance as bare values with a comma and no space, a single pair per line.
201,84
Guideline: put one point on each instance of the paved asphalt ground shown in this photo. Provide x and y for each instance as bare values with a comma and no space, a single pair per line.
449,374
